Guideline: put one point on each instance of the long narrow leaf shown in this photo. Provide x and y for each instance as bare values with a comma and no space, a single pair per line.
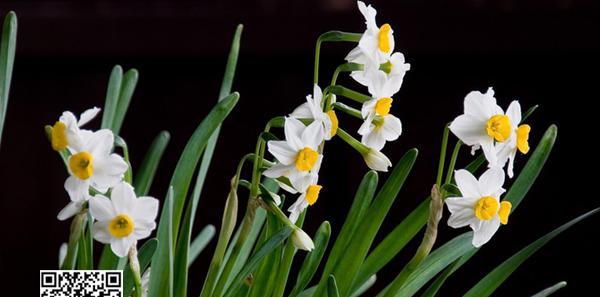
112,97
145,255
145,174
200,242
128,85
551,290
487,285
8,44
332,289
161,281
313,259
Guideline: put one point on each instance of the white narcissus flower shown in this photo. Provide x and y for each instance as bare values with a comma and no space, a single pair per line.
480,206
91,164
309,194
393,70
298,154
376,44
66,131
518,141
302,241
123,219
482,123
313,109
379,125
376,160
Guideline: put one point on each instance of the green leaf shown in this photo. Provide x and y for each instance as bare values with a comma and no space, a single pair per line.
360,206
365,286
313,259
264,249
289,251
145,255
85,256
441,278
332,289
435,262
126,90
161,281
551,290
145,174
112,97
268,136
200,242
347,267
487,285
264,277
310,292
8,45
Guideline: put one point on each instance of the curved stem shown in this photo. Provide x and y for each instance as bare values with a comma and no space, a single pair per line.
442,156
452,163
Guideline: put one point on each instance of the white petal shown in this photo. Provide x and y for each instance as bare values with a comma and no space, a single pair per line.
88,115
480,106
467,183
293,129
143,229
490,181
373,140
100,232
286,188
457,204
297,208
514,114
392,128
100,143
369,13
146,209
460,218
313,135
102,209
489,150
70,210
282,151
468,129
485,231
108,171
317,95
120,246
77,189
278,170
302,112
123,198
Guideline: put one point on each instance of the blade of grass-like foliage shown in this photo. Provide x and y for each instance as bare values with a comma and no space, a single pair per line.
360,205
264,277
435,262
365,286
308,292
551,290
112,97
515,195
8,44
85,257
145,255
312,259
264,249
145,174
289,251
126,90
487,285
200,242
227,226
161,281
181,259
347,267
332,289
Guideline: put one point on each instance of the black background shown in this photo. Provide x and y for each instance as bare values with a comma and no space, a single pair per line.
540,52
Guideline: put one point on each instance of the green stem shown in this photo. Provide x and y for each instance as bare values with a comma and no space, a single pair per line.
76,230
350,94
359,147
134,266
452,164
346,67
331,36
348,110
442,156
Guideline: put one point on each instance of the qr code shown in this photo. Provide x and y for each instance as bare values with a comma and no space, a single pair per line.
81,283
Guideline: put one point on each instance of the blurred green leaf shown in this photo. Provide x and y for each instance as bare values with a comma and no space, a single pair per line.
85,256
8,45
551,290
200,242
145,255
126,90
487,285
365,286
347,267
145,174
332,289
263,281
161,281
112,97
313,259
263,250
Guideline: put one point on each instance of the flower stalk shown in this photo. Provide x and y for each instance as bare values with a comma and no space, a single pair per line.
134,265
77,225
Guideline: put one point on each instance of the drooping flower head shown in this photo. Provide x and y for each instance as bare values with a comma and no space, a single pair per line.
91,164
518,140
66,131
376,43
482,124
308,195
123,219
479,207
298,155
313,109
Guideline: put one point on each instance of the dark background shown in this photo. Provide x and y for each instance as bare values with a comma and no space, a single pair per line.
540,52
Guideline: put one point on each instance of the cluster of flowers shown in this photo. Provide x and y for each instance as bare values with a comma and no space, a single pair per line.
300,155
500,135
96,173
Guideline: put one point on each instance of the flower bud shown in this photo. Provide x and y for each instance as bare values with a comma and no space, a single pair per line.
376,160
302,240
